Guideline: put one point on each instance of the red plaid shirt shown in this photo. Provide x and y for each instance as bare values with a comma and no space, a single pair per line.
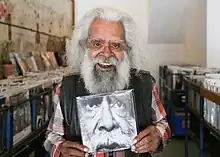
56,128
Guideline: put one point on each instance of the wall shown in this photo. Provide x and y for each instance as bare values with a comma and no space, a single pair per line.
213,33
166,40
53,18
195,33
166,34
130,6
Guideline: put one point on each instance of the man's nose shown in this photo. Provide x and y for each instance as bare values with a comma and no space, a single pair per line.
107,52
106,120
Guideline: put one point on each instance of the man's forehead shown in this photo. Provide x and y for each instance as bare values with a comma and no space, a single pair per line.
106,29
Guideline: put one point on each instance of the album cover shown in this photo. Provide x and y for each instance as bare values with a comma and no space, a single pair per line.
107,121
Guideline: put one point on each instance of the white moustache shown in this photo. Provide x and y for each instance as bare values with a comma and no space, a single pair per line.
105,61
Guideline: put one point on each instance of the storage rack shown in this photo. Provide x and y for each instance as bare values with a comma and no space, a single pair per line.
201,133
26,145
173,99
204,94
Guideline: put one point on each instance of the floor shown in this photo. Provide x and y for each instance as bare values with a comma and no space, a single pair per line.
175,148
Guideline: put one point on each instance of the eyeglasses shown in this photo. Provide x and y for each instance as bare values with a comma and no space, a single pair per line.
114,46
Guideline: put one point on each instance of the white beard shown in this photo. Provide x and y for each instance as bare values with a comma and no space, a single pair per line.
104,82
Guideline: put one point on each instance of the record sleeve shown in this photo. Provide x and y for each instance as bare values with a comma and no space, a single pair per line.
107,121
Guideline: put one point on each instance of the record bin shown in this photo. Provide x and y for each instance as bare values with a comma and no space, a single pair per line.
40,103
48,87
173,95
19,117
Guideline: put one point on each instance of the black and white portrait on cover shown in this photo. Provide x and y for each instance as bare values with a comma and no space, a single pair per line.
107,121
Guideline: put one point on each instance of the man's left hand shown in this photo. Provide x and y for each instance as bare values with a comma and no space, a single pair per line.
147,140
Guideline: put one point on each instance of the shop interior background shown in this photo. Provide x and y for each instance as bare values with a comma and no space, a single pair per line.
171,28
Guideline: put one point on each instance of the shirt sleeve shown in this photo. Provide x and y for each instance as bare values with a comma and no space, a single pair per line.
159,116
55,130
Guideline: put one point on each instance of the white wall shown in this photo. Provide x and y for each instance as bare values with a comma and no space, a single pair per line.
213,33
130,6
167,35
195,34
167,20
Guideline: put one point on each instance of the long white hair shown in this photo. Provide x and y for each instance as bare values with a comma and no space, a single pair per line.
76,51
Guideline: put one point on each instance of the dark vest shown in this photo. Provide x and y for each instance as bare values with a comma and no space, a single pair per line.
73,86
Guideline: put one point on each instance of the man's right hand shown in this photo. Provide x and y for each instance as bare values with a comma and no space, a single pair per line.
73,149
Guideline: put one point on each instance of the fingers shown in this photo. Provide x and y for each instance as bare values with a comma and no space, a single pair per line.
149,148
144,141
147,144
69,152
75,145
73,149
141,135
142,145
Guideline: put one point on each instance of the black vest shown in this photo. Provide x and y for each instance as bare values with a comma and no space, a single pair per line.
73,86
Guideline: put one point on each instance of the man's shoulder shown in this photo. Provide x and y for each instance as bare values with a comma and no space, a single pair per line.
70,79
142,74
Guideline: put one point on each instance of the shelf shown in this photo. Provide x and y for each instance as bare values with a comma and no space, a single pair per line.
212,96
175,108
197,141
24,144
178,109
194,86
215,132
5,154
193,111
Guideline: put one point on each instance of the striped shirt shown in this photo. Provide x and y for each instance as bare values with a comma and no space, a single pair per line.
56,132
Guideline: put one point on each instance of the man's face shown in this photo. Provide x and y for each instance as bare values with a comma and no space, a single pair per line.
106,40
108,123
106,64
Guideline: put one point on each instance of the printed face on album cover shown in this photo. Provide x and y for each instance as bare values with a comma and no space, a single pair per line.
107,121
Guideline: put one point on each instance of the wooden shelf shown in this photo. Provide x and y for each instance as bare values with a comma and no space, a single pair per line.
210,95
214,97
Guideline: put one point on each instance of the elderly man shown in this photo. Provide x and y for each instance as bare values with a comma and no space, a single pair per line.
105,47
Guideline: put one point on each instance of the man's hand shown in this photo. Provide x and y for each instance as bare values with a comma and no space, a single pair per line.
73,149
147,140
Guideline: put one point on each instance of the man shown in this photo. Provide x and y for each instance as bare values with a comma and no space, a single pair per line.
107,121
105,47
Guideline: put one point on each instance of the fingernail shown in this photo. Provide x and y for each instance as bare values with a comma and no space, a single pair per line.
134,141
87,155
133,148
86,149
136,151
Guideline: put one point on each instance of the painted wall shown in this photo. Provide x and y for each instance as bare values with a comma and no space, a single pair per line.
195,34
53,18
213,33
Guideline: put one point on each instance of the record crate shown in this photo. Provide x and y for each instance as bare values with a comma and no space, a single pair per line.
3,114
19,117
175,92
41,103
